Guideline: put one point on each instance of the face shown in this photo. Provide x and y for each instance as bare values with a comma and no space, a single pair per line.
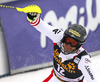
68,48
70,44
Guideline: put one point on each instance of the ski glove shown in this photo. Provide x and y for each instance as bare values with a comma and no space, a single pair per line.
32,16
33,13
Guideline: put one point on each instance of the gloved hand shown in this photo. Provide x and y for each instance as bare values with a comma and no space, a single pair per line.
33,12
31,16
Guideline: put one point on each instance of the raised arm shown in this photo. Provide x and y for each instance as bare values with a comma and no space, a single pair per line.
53,33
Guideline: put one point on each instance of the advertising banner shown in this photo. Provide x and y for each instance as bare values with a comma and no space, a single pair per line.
26,46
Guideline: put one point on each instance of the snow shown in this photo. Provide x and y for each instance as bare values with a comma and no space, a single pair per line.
40,75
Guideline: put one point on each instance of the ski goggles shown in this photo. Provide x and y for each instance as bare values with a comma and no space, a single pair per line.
71,41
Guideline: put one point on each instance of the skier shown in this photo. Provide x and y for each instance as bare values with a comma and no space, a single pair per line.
71,62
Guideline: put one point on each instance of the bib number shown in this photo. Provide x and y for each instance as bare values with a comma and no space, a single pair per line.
60,70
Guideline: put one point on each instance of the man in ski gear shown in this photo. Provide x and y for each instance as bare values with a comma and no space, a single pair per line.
71,62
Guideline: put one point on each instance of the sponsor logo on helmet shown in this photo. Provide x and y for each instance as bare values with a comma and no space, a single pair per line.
74,32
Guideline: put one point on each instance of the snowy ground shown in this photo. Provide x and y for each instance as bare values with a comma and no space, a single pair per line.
39,76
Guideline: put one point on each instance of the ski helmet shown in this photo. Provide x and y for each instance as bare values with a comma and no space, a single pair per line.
77,32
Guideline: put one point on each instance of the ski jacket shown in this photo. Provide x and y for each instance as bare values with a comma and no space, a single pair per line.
72,67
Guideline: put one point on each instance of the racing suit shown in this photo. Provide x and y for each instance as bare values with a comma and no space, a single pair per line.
71,67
